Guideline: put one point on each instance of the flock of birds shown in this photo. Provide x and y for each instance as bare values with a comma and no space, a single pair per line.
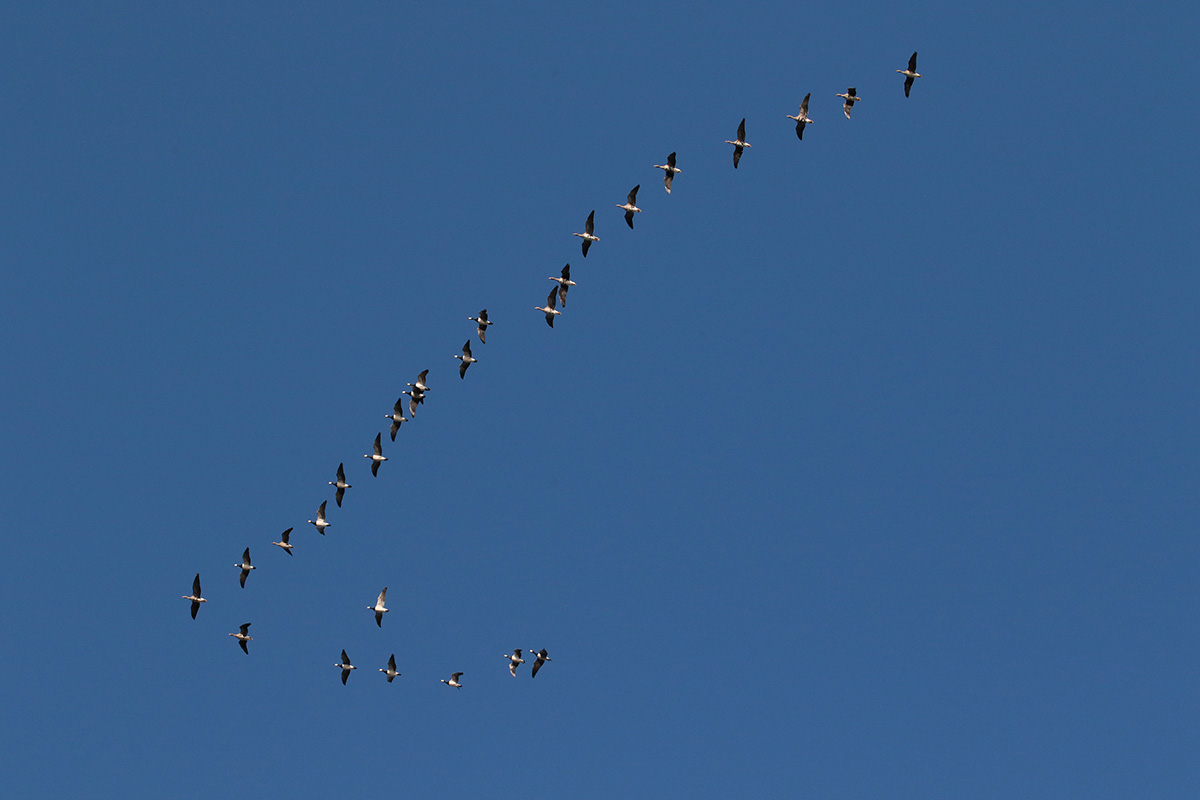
417,391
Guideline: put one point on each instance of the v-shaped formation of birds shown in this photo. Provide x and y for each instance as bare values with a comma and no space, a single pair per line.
416,394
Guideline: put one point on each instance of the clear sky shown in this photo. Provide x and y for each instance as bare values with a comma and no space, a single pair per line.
866,470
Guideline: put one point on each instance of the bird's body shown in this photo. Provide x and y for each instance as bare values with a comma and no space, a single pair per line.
397,416
345,666
243,637
390,672
541,658
453,680
802,118
851,97
589,229
739,143
465,360
910,74
379,608
514,661
285,544
564,283
550,311
376,455
245,566
483,322
195,596
669,171
340,484
631,206
420,384
320,522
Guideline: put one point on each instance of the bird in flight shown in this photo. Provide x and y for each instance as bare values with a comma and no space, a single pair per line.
514,661
345,666
453,680
285,544
563,284
589,228
195,596
802,118
631,206
320,522
243,637
851,97
377,457
465,360
542,658
483,323
390,672
739,143
379,607
397,416
669,171
341,484
549,309
246,566
909,74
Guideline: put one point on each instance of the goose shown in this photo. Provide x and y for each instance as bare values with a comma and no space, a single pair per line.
851,98
379,608
195,596
588,228
377,457
341,484
390,672
465,360
802,118
415,397
397,416
739,143
542,658
551,311
910,74
243,637
345,666
453,680
563,283
246,567
669,170
285,544
320,520
420,384
513,661
631,206
483,322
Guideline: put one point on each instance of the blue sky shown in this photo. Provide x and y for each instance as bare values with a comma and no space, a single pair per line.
865,470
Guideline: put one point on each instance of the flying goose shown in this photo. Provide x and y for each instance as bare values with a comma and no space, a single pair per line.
320,520
588,228
420,384
391,668
513,661
910,74
285,544
551,311
542,658
415,396
563,283
739,143
802,118
379,608
341,484
453,680
483,325
631,206
377,457
195,596
243,637
669,170
346,666
465,360
246,567
397,416
851,98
